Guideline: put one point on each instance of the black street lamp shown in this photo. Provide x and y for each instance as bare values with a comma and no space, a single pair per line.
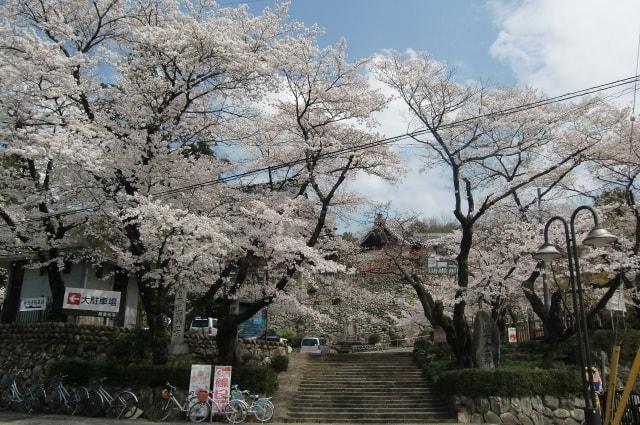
548,252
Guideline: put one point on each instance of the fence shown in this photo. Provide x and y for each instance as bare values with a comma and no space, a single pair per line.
632,412
529,330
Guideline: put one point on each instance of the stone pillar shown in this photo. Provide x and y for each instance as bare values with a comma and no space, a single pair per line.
177,346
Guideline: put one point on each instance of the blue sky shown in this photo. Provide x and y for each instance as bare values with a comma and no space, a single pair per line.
459,32
553,46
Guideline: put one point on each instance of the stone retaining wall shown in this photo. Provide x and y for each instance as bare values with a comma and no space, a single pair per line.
33,346
535,410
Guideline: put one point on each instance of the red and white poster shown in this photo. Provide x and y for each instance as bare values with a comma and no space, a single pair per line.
513,335
222,385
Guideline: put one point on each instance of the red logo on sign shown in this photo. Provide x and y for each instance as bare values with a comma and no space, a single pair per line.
74,298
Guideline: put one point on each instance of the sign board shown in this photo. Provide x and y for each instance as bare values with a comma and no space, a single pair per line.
33,304
486,340
616,303
222,385
513,335
91,302
200,377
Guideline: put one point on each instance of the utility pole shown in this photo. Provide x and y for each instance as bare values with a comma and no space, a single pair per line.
545,287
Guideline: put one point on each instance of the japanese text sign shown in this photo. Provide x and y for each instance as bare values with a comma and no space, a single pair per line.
91,301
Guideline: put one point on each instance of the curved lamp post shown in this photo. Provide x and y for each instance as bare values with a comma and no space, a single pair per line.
548,252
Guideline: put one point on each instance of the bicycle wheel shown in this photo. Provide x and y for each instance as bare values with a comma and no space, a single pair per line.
199,411
5,400
161,410
34,399
263,411
124,405
95,405
78,400
235,412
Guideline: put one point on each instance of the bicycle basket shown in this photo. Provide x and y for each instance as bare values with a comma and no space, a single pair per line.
202,395
164,394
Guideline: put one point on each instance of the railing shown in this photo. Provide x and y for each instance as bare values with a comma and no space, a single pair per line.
632,411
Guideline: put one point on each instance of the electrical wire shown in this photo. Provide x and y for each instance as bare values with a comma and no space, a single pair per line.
369,145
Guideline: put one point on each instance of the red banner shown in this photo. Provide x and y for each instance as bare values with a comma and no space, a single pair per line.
222,385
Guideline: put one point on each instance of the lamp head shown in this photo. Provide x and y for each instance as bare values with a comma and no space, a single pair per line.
547,253
599,236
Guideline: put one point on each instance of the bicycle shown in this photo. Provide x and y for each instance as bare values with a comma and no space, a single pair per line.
34,398
168,402
10,394
60,399
234,411
124,404
261,407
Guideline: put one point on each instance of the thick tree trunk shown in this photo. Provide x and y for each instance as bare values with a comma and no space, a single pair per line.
227,341
57,287
463,337
155,305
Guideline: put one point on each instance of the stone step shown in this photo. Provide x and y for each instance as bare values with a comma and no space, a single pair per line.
409,421
433,404
336,416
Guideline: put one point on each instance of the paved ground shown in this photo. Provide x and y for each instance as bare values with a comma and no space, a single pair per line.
22,419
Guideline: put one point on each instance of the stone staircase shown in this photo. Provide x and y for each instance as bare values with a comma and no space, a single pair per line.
365,388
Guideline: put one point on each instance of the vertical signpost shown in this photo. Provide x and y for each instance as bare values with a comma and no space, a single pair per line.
177,346
222,385
513,335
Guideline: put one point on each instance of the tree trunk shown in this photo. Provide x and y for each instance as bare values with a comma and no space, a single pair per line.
155,304
463,338
57,287
227,341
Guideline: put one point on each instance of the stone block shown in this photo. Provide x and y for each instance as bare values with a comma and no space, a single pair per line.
526,405
463,416
477,418
577,414
571,421
524,419
482,405
515,406
536,403
561,413
492,418
579,402
509,418
551,402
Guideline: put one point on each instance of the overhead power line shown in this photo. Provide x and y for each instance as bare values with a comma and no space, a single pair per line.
369,145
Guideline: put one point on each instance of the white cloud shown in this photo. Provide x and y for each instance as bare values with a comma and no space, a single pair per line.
560,46
425,193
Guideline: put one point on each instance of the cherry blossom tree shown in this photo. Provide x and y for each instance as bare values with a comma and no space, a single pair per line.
132,108
490,156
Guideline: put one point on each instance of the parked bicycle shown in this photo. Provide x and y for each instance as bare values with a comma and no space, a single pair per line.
261,407
123,405
10,395
169,404
61,399
234,411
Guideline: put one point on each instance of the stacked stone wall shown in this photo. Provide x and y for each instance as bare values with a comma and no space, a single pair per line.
33,347
535,410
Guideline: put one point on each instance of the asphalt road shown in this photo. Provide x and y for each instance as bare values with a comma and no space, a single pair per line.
23,419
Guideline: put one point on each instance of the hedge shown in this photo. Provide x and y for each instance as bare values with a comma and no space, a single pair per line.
257,379
513,382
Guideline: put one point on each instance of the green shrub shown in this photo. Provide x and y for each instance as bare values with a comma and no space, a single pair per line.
373,339
81,373
511,382
629,341
257,379
280,363
134,347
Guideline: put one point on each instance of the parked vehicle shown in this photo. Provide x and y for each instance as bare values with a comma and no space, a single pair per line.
313,345
205,325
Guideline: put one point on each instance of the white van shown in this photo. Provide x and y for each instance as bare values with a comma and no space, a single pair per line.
205,325
313,345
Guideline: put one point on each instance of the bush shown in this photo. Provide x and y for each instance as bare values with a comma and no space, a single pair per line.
512,382
628,339
257,379
134,347
280,363
373,339
81,373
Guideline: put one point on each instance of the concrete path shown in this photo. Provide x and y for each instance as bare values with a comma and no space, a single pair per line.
23,419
